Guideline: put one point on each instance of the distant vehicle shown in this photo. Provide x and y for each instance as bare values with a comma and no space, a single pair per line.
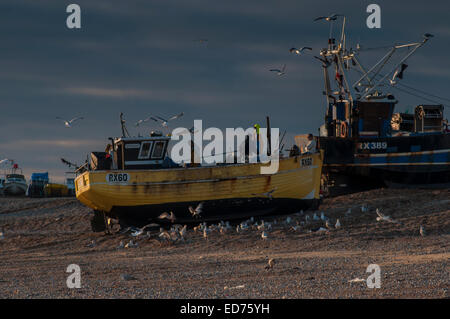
55,190
37,184
2,181
70,183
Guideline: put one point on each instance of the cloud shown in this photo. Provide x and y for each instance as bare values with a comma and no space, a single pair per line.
43,144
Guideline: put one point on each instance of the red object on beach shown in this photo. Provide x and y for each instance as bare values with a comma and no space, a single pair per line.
15,166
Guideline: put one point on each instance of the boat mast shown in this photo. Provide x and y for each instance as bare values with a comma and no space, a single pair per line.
124,128
337,55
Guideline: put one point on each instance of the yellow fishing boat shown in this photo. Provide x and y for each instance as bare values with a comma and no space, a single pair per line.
133,183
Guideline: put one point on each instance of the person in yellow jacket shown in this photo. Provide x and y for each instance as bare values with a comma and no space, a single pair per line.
257,127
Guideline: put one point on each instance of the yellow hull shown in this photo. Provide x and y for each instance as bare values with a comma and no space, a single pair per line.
297,179
56,190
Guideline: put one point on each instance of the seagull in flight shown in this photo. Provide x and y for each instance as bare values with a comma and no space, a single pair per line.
385,218
279,72
332,17
139,231
145,120
168,216
398,74
196,212
5,160
299,51
163,121
69,123
267,194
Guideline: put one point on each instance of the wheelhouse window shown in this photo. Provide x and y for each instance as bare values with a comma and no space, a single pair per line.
158,150
144,152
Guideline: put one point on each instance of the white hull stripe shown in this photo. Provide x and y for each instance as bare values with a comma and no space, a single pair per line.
389,164
403,154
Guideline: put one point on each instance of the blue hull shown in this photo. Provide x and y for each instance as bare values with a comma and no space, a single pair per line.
420,159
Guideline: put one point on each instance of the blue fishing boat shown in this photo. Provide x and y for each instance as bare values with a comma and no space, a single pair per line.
365,141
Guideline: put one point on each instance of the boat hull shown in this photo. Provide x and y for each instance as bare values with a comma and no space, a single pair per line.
15,189
227,192
409,160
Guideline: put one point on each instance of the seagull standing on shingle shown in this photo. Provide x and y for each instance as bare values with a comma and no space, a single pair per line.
183,232
91,244
338,224
131,244
127,277
270,264
422,231
164,235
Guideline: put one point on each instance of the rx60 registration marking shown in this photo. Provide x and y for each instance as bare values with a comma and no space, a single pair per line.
117,178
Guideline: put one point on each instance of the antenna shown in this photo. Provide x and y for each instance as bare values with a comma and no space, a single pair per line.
124,128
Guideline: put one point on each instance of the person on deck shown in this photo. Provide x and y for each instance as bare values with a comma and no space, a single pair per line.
310,145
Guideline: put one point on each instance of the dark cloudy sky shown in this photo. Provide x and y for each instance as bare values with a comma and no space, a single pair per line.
139,57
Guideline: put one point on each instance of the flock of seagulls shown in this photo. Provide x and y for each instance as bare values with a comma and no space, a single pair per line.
317,222
299,51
